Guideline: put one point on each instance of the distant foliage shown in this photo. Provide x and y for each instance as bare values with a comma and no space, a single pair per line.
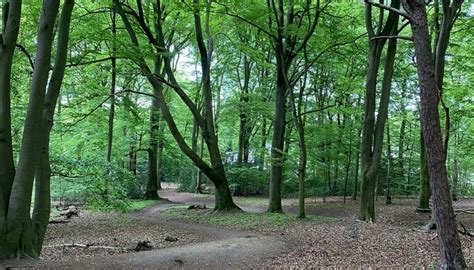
246,180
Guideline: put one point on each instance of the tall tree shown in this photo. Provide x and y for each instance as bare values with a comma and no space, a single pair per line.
373,129
450,244
23,234
215,170
287,44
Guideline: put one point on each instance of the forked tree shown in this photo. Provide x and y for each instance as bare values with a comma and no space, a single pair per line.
22,234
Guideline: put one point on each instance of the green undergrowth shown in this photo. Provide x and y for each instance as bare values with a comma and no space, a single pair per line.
125,206
255,201
241,220
135,205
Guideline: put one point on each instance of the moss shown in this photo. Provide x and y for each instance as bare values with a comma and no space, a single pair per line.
240,220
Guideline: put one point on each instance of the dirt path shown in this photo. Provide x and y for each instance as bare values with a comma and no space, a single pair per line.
223,249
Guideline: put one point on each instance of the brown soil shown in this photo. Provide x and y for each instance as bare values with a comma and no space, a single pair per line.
395,240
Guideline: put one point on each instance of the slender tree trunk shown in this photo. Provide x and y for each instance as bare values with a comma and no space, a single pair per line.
372,134
388,192
110,133
263,144
356,176
11,26
450,244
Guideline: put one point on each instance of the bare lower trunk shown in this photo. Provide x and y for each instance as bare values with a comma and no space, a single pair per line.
276,178
425,192
388,192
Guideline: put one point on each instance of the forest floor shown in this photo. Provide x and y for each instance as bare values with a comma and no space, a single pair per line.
181,238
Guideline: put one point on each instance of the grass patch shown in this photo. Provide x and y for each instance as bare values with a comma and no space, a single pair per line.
252,201
241,220
135,205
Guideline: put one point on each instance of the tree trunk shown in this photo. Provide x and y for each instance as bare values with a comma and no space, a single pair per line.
215,171
11,26
276,178
388,192
110,133
20,235
245,128
450,245
42,204
425,193
372,133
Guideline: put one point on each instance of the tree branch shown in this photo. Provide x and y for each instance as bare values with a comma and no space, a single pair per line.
27,54
391,37
394,10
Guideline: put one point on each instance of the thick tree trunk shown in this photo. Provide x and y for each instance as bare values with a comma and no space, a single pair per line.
20,239
152,183
278,139
450,245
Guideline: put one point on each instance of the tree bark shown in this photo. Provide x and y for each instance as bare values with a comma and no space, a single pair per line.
113,59
42,204
372,133
450,245
20,240
11,26
388,192
425,192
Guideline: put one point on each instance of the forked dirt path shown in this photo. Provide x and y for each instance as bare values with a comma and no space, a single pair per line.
223,249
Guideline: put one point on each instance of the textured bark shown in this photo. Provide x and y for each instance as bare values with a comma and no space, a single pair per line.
20,233
425,192
450,245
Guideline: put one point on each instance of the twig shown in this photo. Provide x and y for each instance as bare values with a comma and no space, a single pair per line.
391,9
87,246
392,37
27,54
